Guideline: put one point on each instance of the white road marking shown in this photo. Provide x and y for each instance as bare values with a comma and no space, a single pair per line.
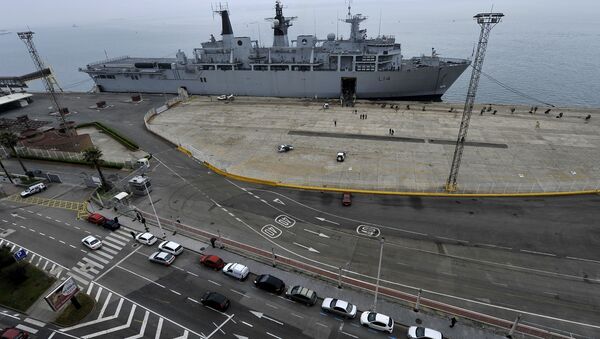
34,322
219,328
97,293
114,329
583,259
43,234
110,239
238,292
51,237
101,252
62,242
175,292
126,239
142,328
273,335
350,335
72,246
115,265
158,328
540,253
247,324
318,323
111,251
27,328
99,320
306,247
193,300
85,274
213,282
106,301
192,273
96,257
76,227
270,305
297,315
139,275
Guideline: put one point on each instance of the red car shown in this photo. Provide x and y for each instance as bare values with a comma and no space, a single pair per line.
212,261
14,333
347,199
96,218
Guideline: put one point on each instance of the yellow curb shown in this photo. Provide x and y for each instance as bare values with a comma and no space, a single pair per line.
184,151
418,194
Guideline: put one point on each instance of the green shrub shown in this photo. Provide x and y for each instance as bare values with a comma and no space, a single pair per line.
108,164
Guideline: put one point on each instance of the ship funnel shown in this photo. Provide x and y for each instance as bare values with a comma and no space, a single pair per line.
225,23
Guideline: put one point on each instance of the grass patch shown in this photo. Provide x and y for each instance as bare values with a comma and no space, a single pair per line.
71,316
123,140
21,295
108,164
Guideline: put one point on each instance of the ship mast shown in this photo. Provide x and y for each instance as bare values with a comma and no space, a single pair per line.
356,34
280,25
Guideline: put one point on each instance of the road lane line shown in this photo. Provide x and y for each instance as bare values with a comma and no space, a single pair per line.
42,234
318,323
72,246
247,324
218,327
76,227
297,315
115,265
32,230
193,300
158,328
51,237
175,292
27,328
97,293
274,336
348,334
46,265
89,290
114,329
540,253
62,242
192,273
214,282
270,305
238,292
583,259
140,276
142,328
34,322
177,267
106,302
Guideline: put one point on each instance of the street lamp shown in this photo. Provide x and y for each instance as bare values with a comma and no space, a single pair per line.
381,242
154,209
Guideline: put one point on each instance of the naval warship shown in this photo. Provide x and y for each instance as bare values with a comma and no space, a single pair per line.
306,67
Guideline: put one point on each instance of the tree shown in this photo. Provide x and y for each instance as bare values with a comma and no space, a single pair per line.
6,172
10,140
93,155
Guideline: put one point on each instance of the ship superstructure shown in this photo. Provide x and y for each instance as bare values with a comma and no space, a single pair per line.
358,67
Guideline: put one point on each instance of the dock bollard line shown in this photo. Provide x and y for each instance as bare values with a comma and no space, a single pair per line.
366,286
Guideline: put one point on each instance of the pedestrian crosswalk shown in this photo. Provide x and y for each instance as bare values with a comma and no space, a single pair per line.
39,261
116,316
95,261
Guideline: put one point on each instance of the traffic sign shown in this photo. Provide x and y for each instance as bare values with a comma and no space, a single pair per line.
20,254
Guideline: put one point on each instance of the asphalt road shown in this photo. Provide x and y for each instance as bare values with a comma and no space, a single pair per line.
534,255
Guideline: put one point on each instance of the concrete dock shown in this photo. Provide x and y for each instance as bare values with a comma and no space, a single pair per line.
507,151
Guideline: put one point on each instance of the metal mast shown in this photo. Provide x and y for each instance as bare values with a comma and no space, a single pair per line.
49,80
487,21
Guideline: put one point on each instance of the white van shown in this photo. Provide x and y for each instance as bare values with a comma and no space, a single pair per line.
37,188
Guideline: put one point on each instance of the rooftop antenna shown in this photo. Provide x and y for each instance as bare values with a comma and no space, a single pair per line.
379,31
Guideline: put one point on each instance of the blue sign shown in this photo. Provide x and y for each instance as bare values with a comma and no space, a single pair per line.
20,254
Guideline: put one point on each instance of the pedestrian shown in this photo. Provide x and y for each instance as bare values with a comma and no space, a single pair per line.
408,107
537,124
393,132
453,322
116,220
366,116
212,241
132,234
335,123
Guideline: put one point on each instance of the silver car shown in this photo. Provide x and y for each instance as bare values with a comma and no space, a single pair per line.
170,247
339,307
162,258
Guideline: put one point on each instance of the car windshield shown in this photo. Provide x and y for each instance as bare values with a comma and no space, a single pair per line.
94,241
420,331
371,316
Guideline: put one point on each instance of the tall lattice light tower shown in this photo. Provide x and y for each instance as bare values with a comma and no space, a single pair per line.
49,80
486,21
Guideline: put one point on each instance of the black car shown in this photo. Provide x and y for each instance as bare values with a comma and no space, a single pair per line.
112,225
302,295
215,300
269,283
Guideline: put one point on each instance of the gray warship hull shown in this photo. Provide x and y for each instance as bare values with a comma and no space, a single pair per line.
308,67
424,82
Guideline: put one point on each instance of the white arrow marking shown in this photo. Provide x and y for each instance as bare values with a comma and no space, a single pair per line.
261,315
17,216
329,221
317,233
240,336
306,247
278,201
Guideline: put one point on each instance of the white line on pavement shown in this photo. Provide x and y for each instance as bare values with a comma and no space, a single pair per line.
27,328
142,329
34,322
193,300
214,282
247,324
192,273
114,329
175,292
141,276
115,265
273,335
158,328
350,335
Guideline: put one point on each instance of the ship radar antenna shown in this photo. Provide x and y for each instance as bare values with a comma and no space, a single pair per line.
280,25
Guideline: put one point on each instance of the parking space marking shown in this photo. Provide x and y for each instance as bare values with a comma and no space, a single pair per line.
213,282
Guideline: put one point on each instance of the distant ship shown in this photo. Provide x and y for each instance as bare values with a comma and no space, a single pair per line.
4,32
358,67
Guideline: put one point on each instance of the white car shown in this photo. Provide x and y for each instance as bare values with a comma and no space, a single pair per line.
33,189
341,156
237,271
162,258
170,247
91,242
146,238
377,321
418,332
284,148
340,307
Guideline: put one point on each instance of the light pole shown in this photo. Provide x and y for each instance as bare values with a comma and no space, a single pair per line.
154,209
381,242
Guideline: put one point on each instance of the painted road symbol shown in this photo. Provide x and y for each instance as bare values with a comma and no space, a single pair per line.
20,254
271,231
367,230
285,221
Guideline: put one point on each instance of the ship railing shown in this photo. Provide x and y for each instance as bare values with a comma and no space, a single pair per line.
106,61
455,60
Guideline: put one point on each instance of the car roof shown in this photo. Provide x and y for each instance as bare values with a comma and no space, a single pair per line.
90,238
146,235
302,290
215,296
211,257
341,303
163,255
382,318
170,244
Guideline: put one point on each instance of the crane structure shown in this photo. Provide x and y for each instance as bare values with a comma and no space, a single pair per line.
50,81
486,21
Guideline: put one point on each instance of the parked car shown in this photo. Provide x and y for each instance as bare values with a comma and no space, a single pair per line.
33,189
91,242
111,224
13,333
346,198
96,218
284,148
377,321
302,295
237,271
215,300
162,258
212,261
146,238
339,307
269,283
418,332
170,247
341,156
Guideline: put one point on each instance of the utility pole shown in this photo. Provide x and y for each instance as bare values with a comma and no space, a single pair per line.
49,80
381,242
487,21
164,235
